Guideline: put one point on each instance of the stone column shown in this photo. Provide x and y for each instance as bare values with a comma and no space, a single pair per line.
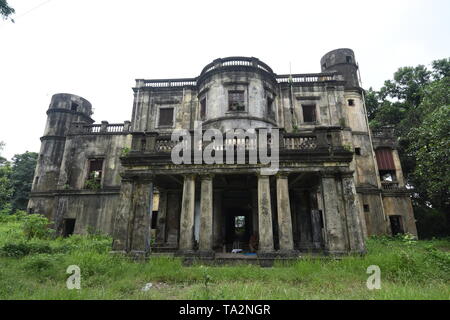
206,216
162,213
284,215
336,242
186,244
354,226
264,216
141,222
131,232
121,218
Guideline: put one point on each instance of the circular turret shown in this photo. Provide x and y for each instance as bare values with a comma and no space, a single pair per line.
64,109
237,93
342,61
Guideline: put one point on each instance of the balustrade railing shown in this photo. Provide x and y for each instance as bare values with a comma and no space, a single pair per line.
388,185
85,128
151,142
304,78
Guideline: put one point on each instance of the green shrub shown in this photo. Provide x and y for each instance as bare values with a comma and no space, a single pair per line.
36,226
22,249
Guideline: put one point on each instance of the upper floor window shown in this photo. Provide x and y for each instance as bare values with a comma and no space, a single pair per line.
74,106
349,59
386,165
203,109
270,111
95,174
351,102
165,117
309,113
236,100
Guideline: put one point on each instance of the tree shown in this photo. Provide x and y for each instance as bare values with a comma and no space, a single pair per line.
6,189
22,178
416,102
6,11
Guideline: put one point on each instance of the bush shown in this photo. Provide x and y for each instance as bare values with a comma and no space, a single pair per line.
22,249
36,226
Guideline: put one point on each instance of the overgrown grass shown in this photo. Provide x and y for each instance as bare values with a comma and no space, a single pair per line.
36,269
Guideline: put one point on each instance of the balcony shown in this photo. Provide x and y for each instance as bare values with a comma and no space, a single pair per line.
320,144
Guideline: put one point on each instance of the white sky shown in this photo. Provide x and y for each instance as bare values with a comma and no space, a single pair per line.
96,49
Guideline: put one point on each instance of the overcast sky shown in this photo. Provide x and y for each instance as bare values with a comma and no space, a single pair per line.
96,48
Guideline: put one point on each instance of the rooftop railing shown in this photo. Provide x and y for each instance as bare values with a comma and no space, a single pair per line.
309,77
103,128
236,62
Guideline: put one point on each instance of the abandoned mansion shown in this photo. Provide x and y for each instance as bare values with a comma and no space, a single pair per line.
336,182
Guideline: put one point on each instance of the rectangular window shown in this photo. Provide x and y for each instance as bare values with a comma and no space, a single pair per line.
349,59
95,174
74,106
203,109
351,102
309,113
236,100
366,208
358,151
270,111
165,117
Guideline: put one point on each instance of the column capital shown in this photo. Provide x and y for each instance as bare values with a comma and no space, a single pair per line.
189,176
259,175
206,176
329,173
282,175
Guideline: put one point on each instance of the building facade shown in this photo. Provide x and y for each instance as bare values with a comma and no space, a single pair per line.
336,182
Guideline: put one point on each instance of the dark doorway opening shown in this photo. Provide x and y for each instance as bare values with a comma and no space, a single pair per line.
69,227
238,229
396,225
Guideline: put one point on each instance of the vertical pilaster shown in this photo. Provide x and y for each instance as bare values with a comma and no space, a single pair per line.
162,217
131,232
284,214
336,240
265,216
186,244
141,222
354,226
122,217
206,215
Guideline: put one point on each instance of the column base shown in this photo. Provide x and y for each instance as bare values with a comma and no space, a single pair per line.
186,253
206,254
288,254
266,254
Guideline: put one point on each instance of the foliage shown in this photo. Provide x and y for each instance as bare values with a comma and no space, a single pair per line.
416,103
93,183
5,10
36,226
410,269
125,151
23,166
6,189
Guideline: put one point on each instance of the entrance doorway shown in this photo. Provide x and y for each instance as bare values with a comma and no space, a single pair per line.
238,229
396,225
69,227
